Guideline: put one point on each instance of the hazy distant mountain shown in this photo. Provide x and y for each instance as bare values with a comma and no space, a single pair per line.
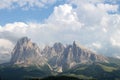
27,53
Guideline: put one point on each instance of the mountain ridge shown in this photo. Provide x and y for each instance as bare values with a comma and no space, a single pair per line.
58,56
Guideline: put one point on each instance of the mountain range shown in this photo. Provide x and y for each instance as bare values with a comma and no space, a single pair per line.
58,56
29,60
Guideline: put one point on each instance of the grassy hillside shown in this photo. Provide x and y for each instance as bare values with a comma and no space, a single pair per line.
20,73
99,71
114,60
95,71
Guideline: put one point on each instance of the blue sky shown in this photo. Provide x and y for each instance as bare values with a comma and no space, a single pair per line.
93,23
16,15
37,14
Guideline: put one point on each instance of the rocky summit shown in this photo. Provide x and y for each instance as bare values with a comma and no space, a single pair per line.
59,57
26,53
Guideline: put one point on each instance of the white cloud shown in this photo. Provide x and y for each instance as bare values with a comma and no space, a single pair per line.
108,7
91,13
97,45
25,4
12,27
5,48
5,43
65,17
115,39
63,13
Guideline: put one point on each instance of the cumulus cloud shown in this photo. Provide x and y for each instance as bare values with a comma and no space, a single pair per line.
115,39
25,4
91,13
5,43
5,49
65,17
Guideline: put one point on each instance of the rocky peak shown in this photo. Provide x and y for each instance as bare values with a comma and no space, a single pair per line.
26,53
